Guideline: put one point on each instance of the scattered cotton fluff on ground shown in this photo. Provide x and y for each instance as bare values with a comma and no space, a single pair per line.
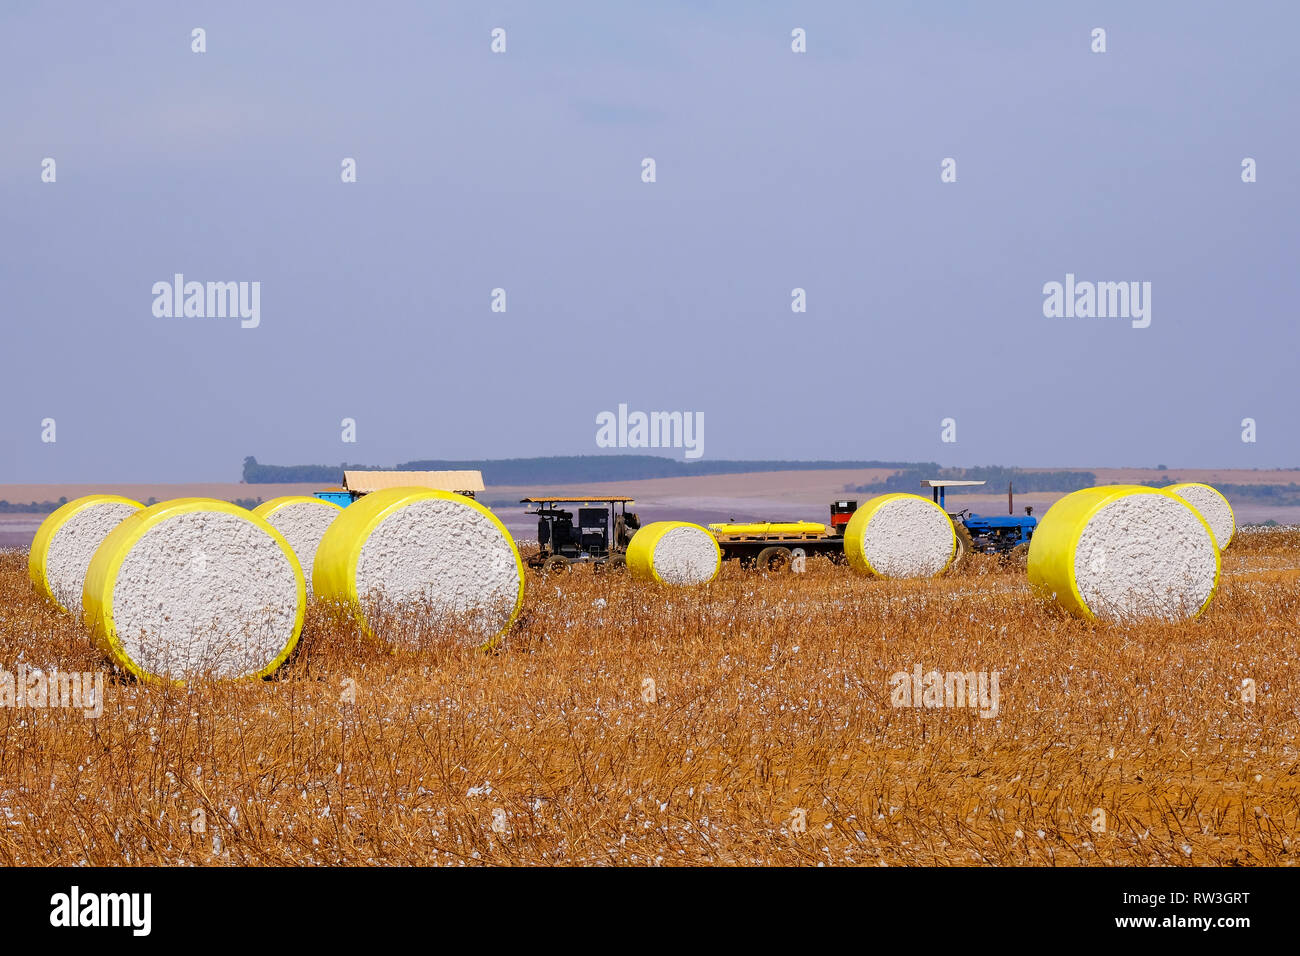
303,523
686,555
1214,508
445,553
907,537
1145,555
205,592
75,543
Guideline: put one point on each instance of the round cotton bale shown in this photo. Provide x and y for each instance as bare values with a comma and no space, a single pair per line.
1214,508
303,521
674,552
402,546
66,541
900,536
1123,552
195,587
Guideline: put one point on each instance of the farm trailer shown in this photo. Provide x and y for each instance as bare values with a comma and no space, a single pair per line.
771,546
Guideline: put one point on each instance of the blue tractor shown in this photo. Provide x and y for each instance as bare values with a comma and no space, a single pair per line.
987,534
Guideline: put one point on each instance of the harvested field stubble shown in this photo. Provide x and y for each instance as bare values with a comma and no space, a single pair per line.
622,725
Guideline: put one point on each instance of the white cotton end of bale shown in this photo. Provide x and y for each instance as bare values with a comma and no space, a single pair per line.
1145,556
195,588
445,554
66,541
303,521
1125,553
1213,506
674,552
900,536
409,547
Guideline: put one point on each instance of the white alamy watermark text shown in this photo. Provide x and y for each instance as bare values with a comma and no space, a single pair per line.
33,687
624,429
977,690
75,908
208,300
1098,300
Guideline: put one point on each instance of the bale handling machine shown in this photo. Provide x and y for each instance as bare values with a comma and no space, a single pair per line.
600,537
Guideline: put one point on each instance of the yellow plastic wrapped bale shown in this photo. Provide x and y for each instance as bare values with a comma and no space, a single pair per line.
674,552
900,535
66,541
1212,505
1122,552
403,547
303,520
769,528
195,587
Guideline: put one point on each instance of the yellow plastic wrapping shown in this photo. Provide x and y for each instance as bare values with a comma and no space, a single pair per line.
641,549
37,561
101,577
857,526
268,508
1198,484
334,573
1056,538
769,527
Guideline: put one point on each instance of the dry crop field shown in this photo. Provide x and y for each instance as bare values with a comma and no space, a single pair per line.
767,736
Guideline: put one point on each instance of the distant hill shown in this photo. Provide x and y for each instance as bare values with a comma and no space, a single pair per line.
565,469
583,469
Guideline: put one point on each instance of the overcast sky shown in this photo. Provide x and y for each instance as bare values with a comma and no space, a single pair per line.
523,171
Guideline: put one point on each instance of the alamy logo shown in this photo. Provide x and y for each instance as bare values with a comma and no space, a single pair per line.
626,429
208,300
75,908
32,687
1100,300
973,689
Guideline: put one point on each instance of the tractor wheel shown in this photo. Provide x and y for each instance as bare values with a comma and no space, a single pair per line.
1018,557
965,545
772,559
616,564
555,564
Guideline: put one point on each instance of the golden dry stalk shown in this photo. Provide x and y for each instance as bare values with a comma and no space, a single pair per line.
750,721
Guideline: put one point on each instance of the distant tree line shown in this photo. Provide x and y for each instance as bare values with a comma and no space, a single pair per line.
1288,494
256,473
31,507
42,507
564,469
1262,494
996,478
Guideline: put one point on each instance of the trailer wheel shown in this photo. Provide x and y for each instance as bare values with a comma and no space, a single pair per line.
772,559
555,564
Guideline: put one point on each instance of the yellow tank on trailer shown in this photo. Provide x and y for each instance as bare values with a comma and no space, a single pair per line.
770,528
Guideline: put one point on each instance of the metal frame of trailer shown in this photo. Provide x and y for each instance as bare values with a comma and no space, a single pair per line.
774,551
751,548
